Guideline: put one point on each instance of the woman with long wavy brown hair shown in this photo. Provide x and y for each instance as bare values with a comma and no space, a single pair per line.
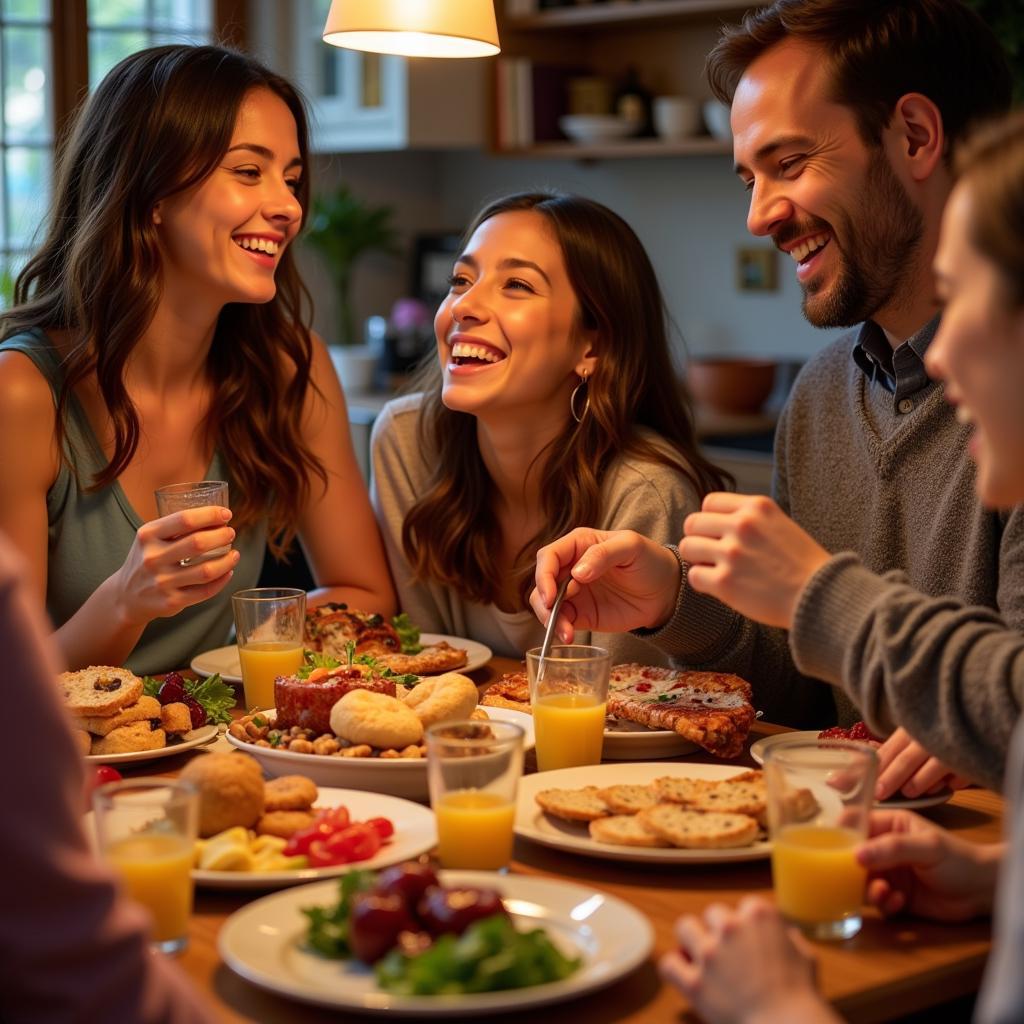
161,334
553,403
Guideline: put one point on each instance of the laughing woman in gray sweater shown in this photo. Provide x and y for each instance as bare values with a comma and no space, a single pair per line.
552,403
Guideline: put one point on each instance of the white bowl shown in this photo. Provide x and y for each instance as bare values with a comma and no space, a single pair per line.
596,127
398,777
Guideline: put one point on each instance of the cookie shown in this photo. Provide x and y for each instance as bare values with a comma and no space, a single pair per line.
573,804
99,690
289,793
283,823
128,739
143,709
698,830
628,799
742,794
625,830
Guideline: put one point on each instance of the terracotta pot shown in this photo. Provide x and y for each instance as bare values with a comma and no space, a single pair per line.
730,385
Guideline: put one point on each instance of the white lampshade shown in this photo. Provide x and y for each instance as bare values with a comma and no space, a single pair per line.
414,28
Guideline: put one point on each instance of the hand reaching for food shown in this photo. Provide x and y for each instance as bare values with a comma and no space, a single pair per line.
621,580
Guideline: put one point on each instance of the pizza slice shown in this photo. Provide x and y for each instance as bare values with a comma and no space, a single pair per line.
711,709
511,691
331,627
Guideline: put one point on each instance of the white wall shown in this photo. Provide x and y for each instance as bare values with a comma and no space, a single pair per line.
688,211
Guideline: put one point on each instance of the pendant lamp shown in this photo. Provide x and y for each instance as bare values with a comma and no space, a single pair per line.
414,28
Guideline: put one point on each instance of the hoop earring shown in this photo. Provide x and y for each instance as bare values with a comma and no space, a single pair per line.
578,416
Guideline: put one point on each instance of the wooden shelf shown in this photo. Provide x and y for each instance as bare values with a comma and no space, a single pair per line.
701,145
601,15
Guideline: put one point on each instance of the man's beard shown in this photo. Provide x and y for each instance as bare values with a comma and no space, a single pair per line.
882,239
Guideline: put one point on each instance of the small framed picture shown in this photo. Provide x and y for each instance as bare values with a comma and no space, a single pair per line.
755,270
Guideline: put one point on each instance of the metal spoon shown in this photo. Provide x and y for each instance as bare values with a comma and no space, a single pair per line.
545,647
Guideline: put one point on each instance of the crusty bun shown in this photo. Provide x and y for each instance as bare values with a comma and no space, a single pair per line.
130,739
230,791
99,689
446,698
374,718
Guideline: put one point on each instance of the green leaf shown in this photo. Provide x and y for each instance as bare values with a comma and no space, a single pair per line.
151,686
314,659
215,696
408,634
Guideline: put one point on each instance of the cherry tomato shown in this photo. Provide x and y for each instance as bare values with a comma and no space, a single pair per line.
357,842
382,826
337,817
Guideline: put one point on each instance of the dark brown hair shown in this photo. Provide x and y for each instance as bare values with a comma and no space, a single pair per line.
879,51
991,164
157,125
450,535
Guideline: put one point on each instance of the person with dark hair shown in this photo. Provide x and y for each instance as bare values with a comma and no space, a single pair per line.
160,335
953,675
844,114
552,401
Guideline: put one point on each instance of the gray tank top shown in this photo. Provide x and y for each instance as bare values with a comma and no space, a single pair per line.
90,534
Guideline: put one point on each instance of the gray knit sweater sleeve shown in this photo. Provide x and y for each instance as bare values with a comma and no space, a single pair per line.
951,674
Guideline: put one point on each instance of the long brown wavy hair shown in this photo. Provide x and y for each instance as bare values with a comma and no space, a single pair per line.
450,535
159,124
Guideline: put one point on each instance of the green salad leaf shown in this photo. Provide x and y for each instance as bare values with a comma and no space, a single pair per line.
314,659
408,634
489,956
327,932
402,679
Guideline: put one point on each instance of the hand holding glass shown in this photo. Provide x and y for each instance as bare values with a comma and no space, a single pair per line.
820,794
569,696
176,497
147,831
473,770
269,626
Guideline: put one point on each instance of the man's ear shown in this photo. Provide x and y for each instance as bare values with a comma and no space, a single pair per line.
916,135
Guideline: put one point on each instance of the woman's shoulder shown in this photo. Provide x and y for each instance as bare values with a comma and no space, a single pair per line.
662,469
26,387
399,420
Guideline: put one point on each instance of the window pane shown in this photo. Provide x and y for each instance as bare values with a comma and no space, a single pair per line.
180,36
194,13
28,189
34,10
107,48
26,64
116,12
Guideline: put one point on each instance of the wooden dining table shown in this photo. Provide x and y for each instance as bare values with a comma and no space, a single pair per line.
892,968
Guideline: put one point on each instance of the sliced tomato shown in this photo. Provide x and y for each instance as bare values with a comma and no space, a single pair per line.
382,826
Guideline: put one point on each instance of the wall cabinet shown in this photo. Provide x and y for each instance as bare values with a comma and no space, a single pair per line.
367,102
664,41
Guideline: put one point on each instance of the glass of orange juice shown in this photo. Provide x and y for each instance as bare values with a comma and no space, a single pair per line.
269,624
569,697
820,794
473,770
147,831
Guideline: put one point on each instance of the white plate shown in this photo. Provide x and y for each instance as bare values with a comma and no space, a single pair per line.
903,803
263,942
631,741
532,823
415,833
406,777
195,738
225,659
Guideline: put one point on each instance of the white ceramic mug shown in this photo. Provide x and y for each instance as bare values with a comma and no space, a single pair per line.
676,117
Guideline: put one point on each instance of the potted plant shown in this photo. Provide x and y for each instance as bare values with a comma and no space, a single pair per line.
343,228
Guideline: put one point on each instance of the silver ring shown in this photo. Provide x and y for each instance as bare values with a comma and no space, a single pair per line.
185,563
